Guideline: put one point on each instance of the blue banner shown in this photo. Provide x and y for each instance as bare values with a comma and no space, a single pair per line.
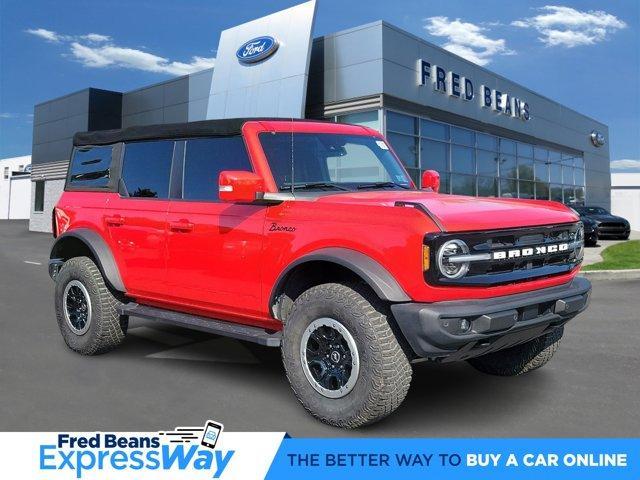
452,459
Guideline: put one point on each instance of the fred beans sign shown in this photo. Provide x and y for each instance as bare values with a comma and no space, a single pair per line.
463,88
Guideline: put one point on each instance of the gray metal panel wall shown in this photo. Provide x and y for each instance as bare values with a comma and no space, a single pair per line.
345,65
550,121
379,58
166,102
56,121
199,90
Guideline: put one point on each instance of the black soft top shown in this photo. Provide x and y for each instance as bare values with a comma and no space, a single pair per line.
204,128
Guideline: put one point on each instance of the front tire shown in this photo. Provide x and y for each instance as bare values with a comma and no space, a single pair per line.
86,309
521,358
341,357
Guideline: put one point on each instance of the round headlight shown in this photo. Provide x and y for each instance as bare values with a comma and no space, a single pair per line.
453,268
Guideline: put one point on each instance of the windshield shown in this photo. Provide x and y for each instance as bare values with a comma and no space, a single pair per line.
591,211
324,161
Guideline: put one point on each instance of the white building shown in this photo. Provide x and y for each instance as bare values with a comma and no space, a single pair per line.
625,197
15,188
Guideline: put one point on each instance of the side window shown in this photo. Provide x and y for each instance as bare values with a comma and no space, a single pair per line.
90,167
146,168
204,159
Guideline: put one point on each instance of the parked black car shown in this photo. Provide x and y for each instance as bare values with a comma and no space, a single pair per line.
590,231
607,225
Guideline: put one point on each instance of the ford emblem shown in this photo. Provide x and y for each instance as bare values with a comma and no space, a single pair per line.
257,49
597,138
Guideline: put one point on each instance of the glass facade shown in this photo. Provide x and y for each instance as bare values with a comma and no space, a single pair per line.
479,164
475,163
366,119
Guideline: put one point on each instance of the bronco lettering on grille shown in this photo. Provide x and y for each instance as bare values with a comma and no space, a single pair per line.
529,251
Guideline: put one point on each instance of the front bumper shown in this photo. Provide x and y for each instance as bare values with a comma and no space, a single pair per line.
433,330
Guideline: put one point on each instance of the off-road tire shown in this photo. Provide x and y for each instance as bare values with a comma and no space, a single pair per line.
521,358
385,373
107,329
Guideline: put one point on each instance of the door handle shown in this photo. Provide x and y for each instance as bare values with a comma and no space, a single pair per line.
181,226
114,221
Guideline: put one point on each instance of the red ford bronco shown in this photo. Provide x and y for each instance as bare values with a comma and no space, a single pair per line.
311,237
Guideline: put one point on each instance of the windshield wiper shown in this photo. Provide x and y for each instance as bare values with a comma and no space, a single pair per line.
382,185
311,185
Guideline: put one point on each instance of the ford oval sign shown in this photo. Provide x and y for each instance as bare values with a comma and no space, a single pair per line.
257,49
597,138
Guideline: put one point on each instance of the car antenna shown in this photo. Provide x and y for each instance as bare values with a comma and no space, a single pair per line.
292,164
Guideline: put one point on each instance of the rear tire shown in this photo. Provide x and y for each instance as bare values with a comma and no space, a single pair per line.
351,322
521,358
86,309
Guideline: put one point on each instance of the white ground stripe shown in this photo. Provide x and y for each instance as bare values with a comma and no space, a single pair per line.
32,263
225,350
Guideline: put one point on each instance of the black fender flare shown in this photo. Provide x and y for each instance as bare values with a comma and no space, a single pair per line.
100,250
369,270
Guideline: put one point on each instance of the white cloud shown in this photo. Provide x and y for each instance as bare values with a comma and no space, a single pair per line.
467,39
28,117
568,27
114,56
95,50
48,35
96,37
625,164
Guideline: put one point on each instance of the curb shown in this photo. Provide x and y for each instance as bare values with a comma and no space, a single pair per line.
611,274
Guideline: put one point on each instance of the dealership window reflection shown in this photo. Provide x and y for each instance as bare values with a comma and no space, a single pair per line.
476,163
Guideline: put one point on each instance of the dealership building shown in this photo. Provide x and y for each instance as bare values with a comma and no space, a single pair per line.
486,135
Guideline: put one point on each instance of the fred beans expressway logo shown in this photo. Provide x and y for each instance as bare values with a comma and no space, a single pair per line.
185,450
257,49
463,88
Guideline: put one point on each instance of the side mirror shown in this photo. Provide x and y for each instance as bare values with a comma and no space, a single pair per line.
239,186
431,179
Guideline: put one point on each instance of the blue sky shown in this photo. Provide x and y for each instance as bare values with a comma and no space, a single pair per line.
585,55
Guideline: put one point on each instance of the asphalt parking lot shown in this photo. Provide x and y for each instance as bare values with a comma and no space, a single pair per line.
162,377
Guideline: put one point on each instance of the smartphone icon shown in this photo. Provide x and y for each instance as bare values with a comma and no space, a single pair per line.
211,433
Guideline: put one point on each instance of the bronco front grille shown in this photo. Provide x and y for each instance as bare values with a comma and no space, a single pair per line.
493,261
